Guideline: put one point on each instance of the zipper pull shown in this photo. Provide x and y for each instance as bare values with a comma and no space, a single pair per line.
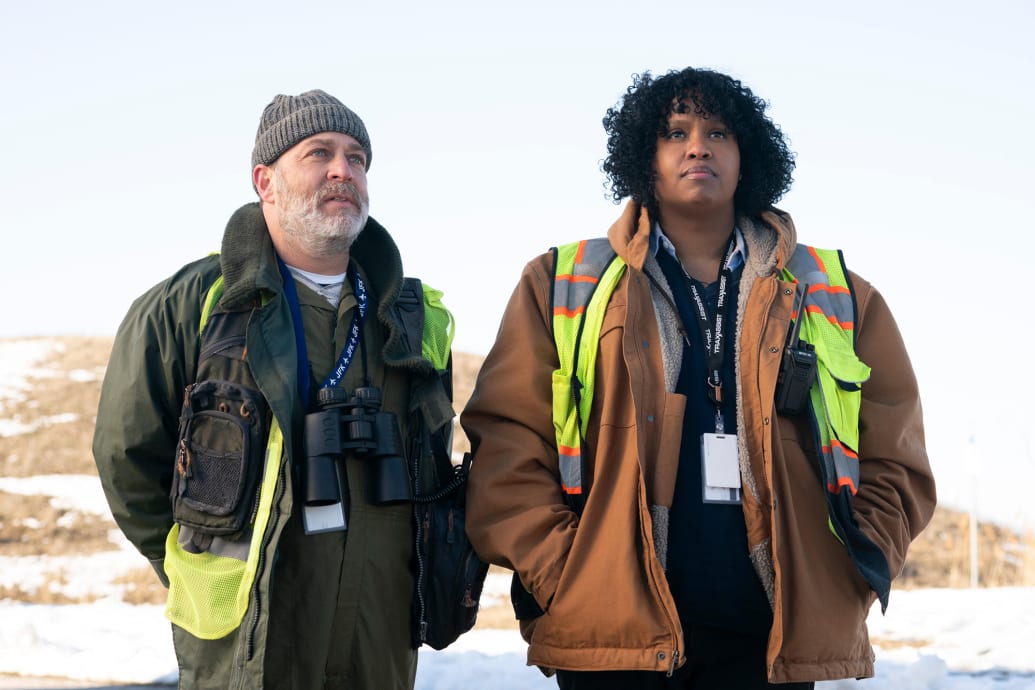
183,460
675,662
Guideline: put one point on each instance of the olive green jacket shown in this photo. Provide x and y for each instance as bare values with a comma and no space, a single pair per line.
155,357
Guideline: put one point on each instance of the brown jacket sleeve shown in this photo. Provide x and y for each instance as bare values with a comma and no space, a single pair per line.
897,495
517,517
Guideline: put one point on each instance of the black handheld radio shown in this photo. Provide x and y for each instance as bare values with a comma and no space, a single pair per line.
798,368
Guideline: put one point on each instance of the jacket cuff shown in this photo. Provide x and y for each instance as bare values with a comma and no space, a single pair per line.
159,567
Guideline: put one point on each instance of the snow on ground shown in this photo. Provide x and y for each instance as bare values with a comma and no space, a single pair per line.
935,639
18,359
956,640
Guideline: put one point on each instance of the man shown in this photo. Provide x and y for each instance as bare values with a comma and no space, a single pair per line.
284,571
702,551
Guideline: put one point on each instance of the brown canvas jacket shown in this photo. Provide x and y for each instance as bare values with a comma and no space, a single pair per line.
601,578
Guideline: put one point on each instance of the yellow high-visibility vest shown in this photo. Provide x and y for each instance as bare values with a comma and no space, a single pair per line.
209,591
586,274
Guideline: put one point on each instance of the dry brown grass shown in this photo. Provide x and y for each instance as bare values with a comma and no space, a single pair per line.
61,448
940,557
141,586
50,591
33,526
465,370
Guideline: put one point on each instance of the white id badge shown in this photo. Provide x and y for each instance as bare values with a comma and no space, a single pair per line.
720,466
317,519
329,518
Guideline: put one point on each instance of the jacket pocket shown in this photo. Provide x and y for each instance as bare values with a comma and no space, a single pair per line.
219,457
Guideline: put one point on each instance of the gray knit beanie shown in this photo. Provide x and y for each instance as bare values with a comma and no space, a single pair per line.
288,120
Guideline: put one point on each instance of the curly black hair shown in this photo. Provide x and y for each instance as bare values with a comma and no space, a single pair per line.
634,125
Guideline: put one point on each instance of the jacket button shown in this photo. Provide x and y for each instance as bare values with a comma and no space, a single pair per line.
774,349
765,421
661,656
786,291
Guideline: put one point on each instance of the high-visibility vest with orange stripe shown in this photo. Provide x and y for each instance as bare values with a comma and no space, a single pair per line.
585,275
835,398
829,326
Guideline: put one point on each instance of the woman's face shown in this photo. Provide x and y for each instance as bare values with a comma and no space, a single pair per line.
697,166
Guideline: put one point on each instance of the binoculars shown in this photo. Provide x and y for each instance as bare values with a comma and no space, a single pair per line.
355,423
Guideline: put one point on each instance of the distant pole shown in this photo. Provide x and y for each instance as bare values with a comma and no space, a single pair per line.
974,567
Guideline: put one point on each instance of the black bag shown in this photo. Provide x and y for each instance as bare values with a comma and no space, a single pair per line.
450,575
218,457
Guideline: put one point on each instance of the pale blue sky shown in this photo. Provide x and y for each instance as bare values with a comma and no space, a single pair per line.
127,129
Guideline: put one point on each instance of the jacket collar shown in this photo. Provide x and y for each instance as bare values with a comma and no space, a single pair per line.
249,266
770,237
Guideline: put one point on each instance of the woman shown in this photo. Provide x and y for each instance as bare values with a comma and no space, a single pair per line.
703,555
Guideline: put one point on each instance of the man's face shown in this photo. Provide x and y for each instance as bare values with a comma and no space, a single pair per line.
697,162
318,191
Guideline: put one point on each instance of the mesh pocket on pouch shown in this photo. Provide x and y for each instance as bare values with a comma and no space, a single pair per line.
219,457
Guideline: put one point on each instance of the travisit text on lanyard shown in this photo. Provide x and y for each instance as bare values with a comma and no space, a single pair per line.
713,332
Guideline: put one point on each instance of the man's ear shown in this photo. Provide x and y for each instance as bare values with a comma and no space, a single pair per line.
262,180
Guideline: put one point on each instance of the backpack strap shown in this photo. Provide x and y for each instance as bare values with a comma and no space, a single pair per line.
222,332
585,276
428,332
211,299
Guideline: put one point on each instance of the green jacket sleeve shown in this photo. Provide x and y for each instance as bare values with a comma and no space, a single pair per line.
153,358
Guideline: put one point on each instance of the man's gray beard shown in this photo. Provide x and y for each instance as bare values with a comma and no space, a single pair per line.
316,232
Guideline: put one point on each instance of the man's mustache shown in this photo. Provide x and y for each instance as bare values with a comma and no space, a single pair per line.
345,189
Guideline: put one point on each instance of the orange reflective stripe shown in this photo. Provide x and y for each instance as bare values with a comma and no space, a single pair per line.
832,289
578,279
842,482
819,261
579,252
832,318
844,449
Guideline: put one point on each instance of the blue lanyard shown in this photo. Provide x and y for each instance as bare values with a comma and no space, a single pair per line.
349,351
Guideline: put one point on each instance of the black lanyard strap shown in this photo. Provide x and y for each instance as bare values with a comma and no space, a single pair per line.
713,332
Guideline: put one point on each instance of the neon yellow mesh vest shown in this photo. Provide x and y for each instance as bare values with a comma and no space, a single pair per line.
209,591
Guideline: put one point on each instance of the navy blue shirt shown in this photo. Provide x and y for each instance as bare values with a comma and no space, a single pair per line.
709,572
